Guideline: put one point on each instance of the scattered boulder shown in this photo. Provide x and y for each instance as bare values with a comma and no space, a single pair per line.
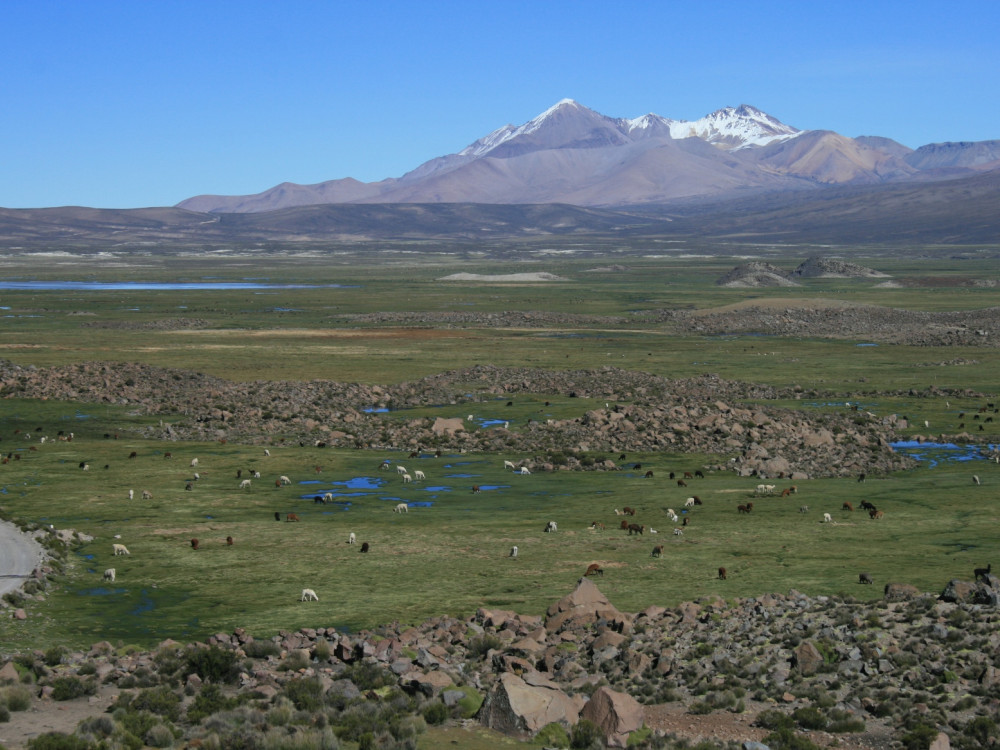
958,591
517,708
895,592
807,658
617,714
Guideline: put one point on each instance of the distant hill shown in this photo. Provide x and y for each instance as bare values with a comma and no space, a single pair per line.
958,211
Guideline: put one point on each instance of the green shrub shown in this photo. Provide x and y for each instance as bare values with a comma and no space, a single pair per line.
159,736
774,719
369,676
435,713
67,688
844,721
322,650
213,664
99,726
919,737
552,735
964,703
787,739
208,701
306,693
161,701
586,734
16,697
280,714
482,644
53,656
469,705
58,741
981,729
809,717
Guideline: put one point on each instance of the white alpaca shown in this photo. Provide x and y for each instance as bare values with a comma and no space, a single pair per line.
120,549
109,575
513,551
419,474
308,595
678,532
194,462
827,518
245,484
400,469
256,475
284,480
509,465
407,479
524,471
267,452
131,494
689,502
401,508
352,539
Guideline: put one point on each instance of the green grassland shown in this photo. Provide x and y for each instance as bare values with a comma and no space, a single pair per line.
452,556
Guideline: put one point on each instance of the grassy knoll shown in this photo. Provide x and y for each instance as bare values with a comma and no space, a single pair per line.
450,556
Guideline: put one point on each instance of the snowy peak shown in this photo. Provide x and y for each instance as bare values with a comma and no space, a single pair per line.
568,124
735,127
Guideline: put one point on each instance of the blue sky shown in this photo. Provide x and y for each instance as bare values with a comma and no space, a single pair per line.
146,103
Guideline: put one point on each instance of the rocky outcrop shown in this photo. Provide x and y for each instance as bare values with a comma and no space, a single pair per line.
756,274
865,323
817,267
650,414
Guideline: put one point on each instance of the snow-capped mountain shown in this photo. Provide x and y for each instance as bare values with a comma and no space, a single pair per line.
572,154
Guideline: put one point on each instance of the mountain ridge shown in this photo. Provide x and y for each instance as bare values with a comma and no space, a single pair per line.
575,155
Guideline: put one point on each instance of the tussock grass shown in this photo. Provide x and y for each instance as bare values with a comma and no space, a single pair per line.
449,558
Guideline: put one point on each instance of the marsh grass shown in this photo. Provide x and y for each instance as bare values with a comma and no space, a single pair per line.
451,558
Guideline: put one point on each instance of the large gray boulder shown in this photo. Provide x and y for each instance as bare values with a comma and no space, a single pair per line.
521,707
617,714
